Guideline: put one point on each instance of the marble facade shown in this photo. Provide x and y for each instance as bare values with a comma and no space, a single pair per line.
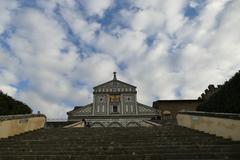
113,101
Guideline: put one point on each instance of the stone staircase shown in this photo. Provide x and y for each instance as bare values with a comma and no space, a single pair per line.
136,143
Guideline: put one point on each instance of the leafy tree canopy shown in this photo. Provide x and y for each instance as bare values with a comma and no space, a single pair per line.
226,100
10,106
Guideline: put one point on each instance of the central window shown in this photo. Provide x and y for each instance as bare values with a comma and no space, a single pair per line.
115,109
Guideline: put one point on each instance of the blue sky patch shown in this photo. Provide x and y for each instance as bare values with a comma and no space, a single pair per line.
150,40
194,8
122,66
22,85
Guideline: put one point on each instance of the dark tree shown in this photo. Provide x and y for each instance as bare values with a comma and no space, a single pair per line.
10,106
226,100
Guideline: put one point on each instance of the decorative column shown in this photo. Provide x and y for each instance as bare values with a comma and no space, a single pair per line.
93,110
108,104
121,102
136,104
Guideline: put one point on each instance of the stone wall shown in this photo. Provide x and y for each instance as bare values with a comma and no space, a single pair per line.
220,124
16,124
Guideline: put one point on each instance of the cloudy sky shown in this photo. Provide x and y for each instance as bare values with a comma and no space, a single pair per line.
53,52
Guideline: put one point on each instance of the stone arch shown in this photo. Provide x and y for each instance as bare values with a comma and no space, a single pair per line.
133,124
167,114
97,124
115,124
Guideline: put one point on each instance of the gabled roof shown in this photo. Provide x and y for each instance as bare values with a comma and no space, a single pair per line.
114,81
77,108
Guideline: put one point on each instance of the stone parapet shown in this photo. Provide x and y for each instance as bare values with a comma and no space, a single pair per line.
213,114
16,124
20,116
220,124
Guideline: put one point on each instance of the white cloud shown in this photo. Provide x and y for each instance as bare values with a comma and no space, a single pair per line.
127,44
193,4
85,30
158,15
96,7
9,90
95,69
49,108
183,58
211,48
148,21
37,43
6,11
7,77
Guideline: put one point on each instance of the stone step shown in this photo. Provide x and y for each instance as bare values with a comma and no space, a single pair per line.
119,138
133,156
169,142
113,150
201,144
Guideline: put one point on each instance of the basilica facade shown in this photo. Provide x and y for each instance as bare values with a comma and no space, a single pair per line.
114,105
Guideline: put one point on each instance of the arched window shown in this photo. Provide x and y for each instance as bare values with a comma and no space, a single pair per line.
167,114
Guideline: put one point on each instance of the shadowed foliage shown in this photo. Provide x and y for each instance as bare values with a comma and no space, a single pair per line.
10,106
226,100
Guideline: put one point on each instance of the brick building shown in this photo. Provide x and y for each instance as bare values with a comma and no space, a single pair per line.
168,109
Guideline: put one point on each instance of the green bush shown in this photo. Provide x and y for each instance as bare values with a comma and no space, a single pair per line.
9,106
226,100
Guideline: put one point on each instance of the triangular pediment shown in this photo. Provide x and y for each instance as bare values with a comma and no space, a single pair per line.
115,85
